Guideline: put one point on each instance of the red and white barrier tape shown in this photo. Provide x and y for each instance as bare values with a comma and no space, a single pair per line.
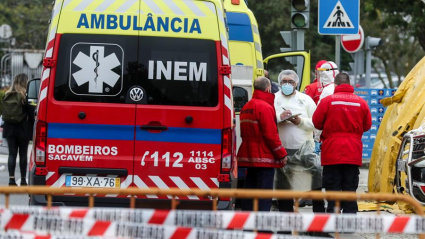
275,221
23,235
60,228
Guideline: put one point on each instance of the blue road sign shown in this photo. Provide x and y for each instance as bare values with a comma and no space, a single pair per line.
339,17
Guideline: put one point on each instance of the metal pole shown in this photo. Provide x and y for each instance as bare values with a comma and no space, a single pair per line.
300,47
338,51
355,69
368,66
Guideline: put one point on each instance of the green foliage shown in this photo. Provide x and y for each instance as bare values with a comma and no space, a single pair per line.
406,15
29,21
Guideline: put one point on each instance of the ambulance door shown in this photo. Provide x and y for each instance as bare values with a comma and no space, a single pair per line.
179,118
90,114
298,61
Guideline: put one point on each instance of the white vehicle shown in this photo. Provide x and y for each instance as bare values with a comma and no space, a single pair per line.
374,101
374,128
374,110
374,92
373,136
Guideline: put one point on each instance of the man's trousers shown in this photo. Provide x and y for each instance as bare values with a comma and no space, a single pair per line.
258,178
341,177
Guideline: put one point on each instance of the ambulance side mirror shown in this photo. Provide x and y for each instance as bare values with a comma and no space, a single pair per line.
32,91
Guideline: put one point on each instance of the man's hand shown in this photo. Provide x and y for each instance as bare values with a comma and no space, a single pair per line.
296,120
284,160
285,114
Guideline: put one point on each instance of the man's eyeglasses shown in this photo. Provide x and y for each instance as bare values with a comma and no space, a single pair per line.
287,81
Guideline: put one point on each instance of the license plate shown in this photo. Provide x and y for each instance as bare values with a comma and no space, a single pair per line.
95,182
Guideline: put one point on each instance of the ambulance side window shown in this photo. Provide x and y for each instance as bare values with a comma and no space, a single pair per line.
240,98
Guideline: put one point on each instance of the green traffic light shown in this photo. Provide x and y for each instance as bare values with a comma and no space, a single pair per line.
299,5
299,20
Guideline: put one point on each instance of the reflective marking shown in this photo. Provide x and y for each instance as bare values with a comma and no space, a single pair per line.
83,5
158,181
173,6
255,29
105,5
46,75
215,180
224,41
66,3
249,121
257,46
345,103
43,94
210,6
225,60
195,9
127,5
49,174
200,183
180,184
52,34
60,182
260,64
220,15
140,184
49,53
152,5
57,9
227,82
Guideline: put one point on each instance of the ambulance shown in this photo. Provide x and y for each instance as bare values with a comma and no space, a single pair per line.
135,94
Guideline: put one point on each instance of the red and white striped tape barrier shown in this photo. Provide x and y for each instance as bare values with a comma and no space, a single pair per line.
23,235
60,228
272,221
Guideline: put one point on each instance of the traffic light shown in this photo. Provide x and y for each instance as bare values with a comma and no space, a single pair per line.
300,13
373,42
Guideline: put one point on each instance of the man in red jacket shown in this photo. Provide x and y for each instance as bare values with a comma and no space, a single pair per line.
315,89
261,150
343,117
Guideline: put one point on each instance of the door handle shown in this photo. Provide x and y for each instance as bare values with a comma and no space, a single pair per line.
153,127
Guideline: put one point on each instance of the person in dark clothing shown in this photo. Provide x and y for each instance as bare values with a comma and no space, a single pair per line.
19,134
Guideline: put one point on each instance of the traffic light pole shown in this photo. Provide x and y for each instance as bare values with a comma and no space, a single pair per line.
300,47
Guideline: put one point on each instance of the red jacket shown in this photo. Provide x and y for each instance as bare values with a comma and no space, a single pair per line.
343,117
261,146
313,90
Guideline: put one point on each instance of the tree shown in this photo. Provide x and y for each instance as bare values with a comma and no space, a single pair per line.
29,21
400,51
406,15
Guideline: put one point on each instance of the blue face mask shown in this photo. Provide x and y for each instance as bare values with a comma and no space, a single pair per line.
287,89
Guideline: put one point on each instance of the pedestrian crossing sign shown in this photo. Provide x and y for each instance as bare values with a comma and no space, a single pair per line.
339,17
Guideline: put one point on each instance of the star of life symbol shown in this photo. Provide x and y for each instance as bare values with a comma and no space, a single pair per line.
96,69
136,94
338,18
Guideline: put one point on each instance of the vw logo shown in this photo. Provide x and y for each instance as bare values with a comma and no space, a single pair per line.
136,94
